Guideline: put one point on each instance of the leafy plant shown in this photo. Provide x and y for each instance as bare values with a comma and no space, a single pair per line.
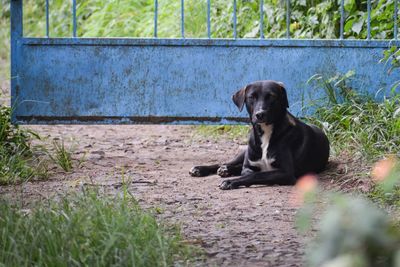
336,88
15,150
353,231
356,122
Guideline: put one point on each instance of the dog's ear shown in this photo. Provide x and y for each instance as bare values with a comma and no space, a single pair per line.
240,97
284,95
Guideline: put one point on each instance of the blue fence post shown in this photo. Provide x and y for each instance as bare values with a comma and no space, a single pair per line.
369,20
395,19
341,19
183,18
16,35
262,19
47,19
74,18
208,19
234,20
288,19
155,18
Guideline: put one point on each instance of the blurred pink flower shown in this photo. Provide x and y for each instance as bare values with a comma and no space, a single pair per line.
306,184
382,168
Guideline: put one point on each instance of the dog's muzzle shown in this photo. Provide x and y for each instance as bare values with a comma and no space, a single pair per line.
261,116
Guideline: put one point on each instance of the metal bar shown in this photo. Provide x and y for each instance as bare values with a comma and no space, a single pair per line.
183,18
209,18
155,17
288,19
369,20
395,19
262,19
341,19
47,19
74,17
151,42
234,20
16,29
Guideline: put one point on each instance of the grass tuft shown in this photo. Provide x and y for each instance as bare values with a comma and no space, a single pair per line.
87,229
15,150
62,156
357,122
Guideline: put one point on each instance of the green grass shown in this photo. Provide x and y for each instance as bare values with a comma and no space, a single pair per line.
21,161
87,229
62,155
15,151
233,132
357,122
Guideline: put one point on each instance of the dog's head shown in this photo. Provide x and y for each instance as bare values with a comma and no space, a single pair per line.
266,101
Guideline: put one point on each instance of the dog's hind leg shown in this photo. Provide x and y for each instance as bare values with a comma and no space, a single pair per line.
231,168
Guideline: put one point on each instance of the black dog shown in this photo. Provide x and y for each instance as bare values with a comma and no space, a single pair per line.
281,148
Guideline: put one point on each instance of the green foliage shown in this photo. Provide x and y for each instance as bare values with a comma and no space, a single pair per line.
20,161
15,150
392,57
356,122
87,229
353,231
387,192
309,19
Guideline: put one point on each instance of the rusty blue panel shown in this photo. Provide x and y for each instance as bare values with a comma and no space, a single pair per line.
126,80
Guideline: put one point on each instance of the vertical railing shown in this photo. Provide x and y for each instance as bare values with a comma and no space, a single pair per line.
395,19
261,19
235,33
47,20
369,20
341,19
74,18
209,19
288,19
155,17
234,20
183,18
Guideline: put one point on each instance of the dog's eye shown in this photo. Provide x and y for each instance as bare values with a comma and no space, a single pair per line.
270,96
252,96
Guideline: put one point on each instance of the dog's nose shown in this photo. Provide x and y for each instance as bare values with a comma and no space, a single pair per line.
260,114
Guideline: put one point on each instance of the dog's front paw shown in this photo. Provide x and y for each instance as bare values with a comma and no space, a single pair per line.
195,172
223,171
228,185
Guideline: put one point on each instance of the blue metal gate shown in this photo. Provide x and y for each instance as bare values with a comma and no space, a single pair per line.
154,80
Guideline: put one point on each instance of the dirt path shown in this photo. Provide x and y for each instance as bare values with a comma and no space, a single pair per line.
245,227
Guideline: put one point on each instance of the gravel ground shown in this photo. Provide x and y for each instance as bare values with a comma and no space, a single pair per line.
245,227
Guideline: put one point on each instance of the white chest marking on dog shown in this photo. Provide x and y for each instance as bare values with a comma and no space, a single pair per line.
264,163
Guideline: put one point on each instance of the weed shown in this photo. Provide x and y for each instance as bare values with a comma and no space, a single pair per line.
16,155
87,229
356,122
62,156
